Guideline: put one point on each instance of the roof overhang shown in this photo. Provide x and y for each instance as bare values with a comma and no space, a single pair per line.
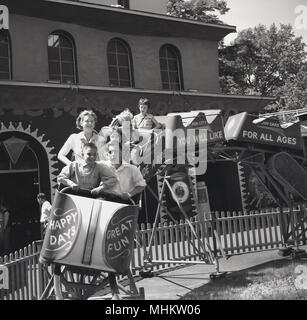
179,101
118,20
250,104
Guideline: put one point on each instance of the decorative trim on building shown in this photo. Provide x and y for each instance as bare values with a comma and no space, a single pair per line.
76,87
44,143
131,12
243,187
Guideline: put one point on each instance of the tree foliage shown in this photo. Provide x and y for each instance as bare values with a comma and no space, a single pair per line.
266,61
293,93
201,10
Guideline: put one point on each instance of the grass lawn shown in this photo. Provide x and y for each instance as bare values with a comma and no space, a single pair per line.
274,280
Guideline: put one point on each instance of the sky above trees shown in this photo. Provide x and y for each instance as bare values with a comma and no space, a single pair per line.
249,13
267,56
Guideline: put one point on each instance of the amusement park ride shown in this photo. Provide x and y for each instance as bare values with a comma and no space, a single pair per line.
94,238
275,153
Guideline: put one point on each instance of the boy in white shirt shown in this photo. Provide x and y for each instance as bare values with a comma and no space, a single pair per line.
129,177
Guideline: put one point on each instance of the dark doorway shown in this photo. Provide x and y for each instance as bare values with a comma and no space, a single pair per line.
19,189
22,174
222,180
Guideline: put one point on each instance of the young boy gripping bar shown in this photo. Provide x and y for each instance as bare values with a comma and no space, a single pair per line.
88,174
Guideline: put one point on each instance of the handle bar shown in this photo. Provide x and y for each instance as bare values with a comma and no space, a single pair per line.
69,189
87,193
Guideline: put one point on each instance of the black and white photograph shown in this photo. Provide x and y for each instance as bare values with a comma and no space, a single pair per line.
153,151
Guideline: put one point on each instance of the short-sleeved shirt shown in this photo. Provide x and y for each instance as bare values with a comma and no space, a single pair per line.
143,122
128,176
45,211
80,174
76,141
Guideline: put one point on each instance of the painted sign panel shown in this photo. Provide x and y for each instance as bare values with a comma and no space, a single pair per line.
119,238
62,229
215,128
90,233
182,191
208,129
268,131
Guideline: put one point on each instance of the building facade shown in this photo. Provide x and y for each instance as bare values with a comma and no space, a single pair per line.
59,57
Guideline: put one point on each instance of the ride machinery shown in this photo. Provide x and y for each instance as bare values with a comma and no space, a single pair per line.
273,151
91,241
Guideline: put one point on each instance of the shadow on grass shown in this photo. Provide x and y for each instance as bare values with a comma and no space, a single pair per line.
267,276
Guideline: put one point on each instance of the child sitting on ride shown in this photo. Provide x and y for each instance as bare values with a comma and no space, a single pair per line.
130,181
145,120
125,115
121,130
87,173
123,123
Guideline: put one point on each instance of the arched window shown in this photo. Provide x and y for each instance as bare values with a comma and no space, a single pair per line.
5,56
120,64
62,58
171,69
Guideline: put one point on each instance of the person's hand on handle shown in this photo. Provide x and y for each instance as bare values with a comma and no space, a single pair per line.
126,195
75,188
98,190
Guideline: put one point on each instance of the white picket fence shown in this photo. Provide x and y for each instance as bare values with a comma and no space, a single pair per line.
237,232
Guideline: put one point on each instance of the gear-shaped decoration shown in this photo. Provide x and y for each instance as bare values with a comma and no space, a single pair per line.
192,174
243,187
40,139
